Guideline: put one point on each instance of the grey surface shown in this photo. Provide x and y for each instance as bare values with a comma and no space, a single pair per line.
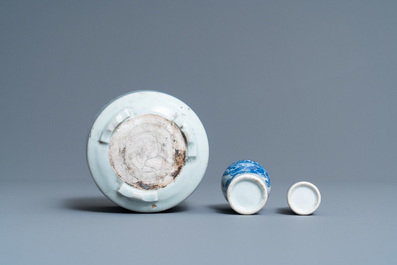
307,89
72,223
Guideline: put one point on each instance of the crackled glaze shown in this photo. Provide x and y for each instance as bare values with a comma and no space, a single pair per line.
147,151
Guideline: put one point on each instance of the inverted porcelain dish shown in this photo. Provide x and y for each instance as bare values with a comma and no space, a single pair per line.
147,151
303,198
246,186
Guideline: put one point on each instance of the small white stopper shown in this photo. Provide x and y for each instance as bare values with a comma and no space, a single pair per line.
303,198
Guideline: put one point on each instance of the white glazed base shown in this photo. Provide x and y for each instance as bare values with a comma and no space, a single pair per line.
247,194
303,198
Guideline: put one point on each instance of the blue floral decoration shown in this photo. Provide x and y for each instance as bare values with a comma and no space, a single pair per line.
244,166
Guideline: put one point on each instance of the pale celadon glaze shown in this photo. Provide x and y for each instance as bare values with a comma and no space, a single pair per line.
147,151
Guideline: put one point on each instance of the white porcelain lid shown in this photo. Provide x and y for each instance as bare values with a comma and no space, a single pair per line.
304,198
147,151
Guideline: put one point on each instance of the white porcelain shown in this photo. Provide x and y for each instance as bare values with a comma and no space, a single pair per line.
147,151
303,198
246,186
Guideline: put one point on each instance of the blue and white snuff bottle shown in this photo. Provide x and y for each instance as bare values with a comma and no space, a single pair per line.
246,186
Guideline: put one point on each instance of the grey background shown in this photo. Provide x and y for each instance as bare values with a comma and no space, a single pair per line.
306,88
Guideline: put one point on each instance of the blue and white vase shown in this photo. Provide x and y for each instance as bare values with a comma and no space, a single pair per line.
246,186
